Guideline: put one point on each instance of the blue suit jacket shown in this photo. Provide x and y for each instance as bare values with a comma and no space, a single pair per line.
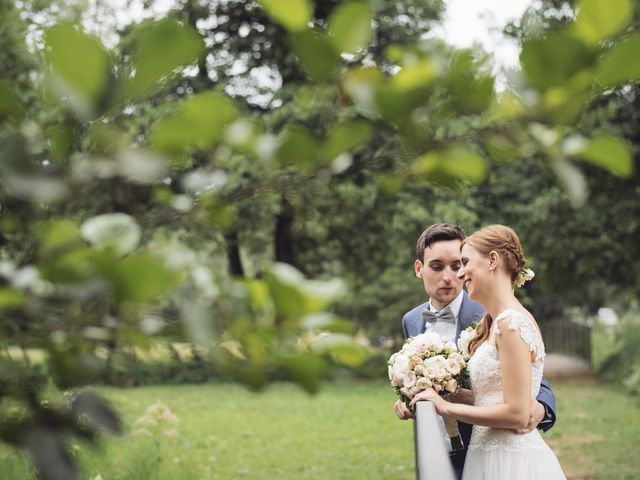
470,311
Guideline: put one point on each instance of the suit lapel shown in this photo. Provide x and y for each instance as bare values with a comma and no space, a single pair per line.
418,321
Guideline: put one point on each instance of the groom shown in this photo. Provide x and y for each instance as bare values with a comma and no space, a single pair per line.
448,312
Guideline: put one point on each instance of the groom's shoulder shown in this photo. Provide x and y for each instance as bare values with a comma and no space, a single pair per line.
471,307
415,311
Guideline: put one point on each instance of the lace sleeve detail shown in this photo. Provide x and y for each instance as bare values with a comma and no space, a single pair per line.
528,332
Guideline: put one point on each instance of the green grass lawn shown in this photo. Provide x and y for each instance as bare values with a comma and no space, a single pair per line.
598,431
345,432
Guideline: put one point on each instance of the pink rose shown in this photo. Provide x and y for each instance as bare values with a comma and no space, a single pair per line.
451,386
409,380
423,383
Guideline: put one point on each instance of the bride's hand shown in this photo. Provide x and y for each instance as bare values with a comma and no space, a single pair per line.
535,417
431,395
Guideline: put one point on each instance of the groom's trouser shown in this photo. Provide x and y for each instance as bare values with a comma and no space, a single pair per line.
457,460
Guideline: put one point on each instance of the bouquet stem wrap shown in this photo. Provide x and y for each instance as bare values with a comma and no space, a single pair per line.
451,426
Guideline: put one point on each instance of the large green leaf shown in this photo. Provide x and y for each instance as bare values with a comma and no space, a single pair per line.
395,105
79,63
620,65
10,298
9,104
327,322
350,26
472,90
500,147
418,75
455,162
598,20
360,85
70,267
342,348
296,146
294,15
304,369
140,278
346,136
284,283
611,153
59,235
554,59
116,230
199,123
294,296
318,57
161,48
572,180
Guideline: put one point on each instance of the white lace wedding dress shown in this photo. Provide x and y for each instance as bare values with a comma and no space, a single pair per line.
494,453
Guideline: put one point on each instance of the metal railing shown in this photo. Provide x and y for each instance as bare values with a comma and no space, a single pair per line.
567,337
432,459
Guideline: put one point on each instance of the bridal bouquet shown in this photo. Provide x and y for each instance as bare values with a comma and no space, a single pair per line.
429,361
465,338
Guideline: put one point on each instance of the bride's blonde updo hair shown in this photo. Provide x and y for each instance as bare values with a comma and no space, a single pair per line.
506,243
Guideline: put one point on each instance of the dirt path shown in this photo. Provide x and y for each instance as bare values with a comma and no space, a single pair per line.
557,365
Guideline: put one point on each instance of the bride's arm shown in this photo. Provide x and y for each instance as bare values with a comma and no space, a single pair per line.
515,366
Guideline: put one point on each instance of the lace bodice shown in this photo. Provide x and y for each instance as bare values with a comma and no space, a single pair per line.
486,381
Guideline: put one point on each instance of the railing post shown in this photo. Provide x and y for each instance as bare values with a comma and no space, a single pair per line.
432,459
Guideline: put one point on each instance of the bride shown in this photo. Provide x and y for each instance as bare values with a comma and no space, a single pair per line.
505,369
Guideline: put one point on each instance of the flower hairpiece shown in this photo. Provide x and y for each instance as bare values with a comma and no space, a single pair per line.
524,276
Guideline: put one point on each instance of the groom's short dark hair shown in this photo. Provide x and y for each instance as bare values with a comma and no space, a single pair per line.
438,232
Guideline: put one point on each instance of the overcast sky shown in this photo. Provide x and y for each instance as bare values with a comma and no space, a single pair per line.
481,21
466,22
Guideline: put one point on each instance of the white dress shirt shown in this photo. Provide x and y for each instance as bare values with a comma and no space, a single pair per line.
446,329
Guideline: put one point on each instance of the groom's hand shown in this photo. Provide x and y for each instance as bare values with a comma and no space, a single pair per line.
402,411
462,395
535,417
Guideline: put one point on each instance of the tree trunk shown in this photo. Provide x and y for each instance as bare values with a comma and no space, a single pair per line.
233,253
284,249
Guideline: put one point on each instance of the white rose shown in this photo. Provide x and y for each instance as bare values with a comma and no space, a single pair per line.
435,362
407,349
449,345
400,364
431,341
457,358
434,341
465,338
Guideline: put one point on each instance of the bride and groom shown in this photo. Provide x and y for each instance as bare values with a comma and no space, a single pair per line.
509,400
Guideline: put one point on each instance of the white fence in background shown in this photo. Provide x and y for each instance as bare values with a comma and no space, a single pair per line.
432,460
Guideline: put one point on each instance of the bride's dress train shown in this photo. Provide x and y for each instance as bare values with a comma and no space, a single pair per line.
499,454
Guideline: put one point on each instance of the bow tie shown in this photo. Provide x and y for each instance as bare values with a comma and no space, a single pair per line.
444,315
